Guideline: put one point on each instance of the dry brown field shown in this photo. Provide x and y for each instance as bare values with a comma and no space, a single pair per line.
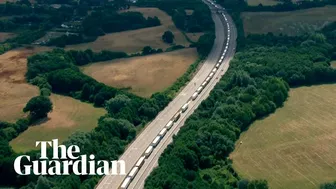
290,23
6,35
134,40
263,2
14,90
333,64
68,116
194,36
145,75
292,148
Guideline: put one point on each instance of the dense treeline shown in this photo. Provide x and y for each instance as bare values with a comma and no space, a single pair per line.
256,83
70,39
199,21
116,22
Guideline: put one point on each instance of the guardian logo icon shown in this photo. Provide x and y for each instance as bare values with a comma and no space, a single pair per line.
65,160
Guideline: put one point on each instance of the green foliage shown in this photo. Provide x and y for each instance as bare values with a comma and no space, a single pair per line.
27,37
168,37
205,43
6,47
115,22
328,185
71,39
199,21
88,56
147,50
45,92
257,184
43,63
115,104
43,183
38,107
175,47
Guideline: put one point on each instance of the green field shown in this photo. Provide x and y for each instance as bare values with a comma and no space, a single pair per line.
291,23
68,116
294,147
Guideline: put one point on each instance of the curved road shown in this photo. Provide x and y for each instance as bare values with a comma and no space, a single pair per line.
136,149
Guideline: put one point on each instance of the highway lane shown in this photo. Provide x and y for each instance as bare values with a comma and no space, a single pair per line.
143,140
152,161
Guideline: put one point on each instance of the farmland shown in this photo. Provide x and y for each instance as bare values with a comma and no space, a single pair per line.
5,35
263,2
294,147
333,64
144,75
134,40
69,115
194,36
291,23
14,91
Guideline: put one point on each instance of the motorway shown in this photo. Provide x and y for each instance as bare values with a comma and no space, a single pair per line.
136,149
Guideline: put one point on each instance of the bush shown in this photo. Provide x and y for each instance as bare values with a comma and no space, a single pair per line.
38,107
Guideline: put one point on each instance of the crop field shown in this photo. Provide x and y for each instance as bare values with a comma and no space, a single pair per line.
295,146
68,116
194,36
263,2
144,75
5,35
4,1
134,40
333,64
290,23
14,91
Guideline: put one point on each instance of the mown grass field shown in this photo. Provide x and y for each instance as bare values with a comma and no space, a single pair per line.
295,146
290,23
68,116
145,75
14,91
134,40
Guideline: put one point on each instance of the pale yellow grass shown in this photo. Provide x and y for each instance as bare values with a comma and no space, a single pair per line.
295,146
14,91
189,11
134,40
291,23
145,75
68,116
5,35
194,36
333,64
263,2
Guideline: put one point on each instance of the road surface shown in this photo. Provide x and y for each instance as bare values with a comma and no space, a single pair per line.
144,139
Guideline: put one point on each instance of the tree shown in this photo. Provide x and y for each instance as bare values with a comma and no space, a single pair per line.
39,107
147,50
168,37
115,104
258,184
43,183
328,186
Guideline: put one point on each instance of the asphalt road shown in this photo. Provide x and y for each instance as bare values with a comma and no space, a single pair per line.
144,139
